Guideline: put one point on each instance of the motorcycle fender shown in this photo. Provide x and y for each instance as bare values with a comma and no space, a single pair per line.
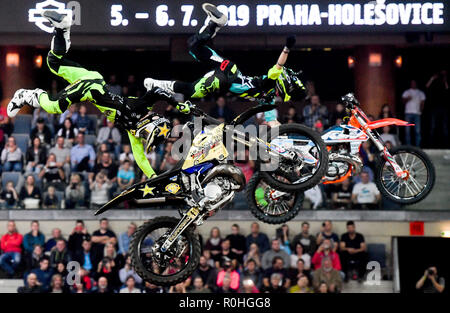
387,122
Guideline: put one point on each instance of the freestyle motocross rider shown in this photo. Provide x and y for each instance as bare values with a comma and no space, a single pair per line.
145,129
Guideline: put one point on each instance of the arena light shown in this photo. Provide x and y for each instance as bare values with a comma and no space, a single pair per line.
12,59
38,61
351,62
445,234
375,59
399,61
326,49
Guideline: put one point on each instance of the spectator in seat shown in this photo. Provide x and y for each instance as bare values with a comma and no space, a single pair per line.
42,132
127,271
226,252
52,174
253,254
69,132
36,156
291,115
258,237
207,273
323,288
327,233
102,286
106,268
338,114
9,197
302,286
326,273
59,254
32,260
386,135
84,123
32,285
62,155
30,194
50,201
125,176
71,113
57,284
214,244
75,193
126,155
385,112
130,286
275,251
85,256
6,126
308,241
252,272
125,237
314,111
113,86
276,285
430,282
299,254
56,235
367,154
34,237
353,252
100,190
101,237
298,271
278,267
111,136
106,166
44,273
12,157
365,194
237,243
11,245
342,195
221,111
199,286
228,270
82,156
282,233
77,236
110,252
226,286
325,251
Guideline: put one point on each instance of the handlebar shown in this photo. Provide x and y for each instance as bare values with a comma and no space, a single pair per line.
349,101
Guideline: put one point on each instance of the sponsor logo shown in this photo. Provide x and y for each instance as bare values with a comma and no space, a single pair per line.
147,190
34,15
172,188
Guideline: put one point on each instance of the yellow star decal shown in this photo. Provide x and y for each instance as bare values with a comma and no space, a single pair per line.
164,131
147,190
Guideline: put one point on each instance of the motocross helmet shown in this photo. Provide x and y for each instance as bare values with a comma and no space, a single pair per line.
154,130
287,82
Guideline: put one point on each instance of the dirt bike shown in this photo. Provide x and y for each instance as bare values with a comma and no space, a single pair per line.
405,174
166,250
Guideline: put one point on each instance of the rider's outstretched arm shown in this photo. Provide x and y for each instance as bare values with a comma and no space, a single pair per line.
290,42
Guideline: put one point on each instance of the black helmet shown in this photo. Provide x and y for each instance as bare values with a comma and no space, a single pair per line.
287,82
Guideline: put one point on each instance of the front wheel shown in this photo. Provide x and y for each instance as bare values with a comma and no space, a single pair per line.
419,181
168,268
303,163
270,205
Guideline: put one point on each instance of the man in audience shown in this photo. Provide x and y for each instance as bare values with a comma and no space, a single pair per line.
11,245
252,272
275,251
82,156
353,252
342,195
44,273
221,110
430,282
315,111
101,237
84,122
257,237
60,254
34,237
77,236
62,155
326,273
275,285
102,286
125,176
327,233
365,194
130,286
128,271
279,268
42,132
199,286
325,251
206,272
307,240
111,136
56,235
32,285
107,166
125,237
12,157
75,193
85,257
237,243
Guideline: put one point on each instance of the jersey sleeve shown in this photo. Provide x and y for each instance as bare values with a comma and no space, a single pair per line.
139,155
274,72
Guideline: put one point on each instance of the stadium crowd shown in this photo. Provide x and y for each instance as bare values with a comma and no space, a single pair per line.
80,160
252,263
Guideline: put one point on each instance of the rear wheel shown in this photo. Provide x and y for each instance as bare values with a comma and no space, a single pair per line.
416,186
270,205
171,267
309,162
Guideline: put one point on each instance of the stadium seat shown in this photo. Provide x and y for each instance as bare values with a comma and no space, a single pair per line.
10,176
90,140
377,252
22,141
22,124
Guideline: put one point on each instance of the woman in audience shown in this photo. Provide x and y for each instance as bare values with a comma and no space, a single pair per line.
36,155
9,197
52,174
214,244
299,254
100,190
253,254
75,193
30,194
12,157
68,131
